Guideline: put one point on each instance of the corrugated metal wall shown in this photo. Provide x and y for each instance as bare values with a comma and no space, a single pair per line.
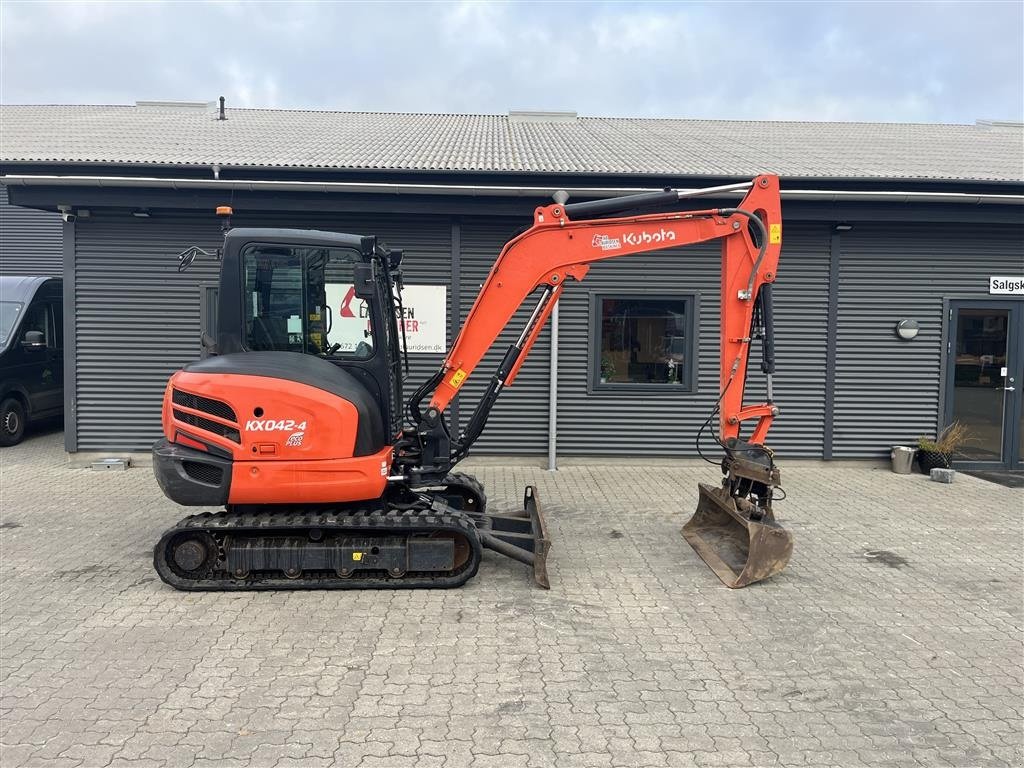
136,321
887,390
137,318
519,420
801,320
30,240
659,423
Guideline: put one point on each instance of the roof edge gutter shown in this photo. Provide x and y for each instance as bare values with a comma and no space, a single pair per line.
474,190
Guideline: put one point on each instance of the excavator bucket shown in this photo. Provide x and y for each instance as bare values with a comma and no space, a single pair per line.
738,549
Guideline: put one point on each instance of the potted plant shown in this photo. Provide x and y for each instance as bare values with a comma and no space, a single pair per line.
938,453
607,369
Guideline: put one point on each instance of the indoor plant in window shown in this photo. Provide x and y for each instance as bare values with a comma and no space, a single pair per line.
607,369
939,452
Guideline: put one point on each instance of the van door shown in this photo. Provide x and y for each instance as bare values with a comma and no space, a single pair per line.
41,369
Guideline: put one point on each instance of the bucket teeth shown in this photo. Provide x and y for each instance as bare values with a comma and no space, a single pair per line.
738,549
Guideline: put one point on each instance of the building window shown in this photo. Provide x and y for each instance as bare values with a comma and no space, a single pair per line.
642,341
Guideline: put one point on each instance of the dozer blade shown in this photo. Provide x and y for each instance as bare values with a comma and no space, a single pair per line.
739,550
522,537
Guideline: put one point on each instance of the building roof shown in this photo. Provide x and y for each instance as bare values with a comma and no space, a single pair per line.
191,134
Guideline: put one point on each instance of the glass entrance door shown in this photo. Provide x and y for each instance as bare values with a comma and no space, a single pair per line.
986,352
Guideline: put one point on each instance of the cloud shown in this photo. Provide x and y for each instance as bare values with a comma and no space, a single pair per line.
928,62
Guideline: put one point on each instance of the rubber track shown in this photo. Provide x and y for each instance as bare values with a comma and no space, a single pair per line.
461,478
343,522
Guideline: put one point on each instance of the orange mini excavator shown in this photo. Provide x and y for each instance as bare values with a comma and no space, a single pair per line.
295,422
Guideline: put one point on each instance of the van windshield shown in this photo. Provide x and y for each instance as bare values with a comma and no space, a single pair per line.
10,311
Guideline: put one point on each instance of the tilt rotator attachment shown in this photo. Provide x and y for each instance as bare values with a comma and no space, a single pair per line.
734,530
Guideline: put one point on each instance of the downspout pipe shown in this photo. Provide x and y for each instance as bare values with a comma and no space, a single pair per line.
553,394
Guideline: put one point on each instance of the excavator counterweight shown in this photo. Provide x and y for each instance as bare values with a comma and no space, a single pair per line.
329,477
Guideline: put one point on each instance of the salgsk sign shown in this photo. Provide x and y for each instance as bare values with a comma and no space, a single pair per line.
1006,286
425,309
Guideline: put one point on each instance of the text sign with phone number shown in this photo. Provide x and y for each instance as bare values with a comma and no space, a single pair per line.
425,309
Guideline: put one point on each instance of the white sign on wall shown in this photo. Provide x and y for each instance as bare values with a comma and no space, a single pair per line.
1013,286
426,317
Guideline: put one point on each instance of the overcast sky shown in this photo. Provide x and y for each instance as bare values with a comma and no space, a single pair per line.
884,61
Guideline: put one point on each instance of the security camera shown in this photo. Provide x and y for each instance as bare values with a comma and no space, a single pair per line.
69,217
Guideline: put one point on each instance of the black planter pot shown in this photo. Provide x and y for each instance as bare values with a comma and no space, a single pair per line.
929,460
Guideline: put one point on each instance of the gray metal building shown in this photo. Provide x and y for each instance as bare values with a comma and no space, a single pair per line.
30,240
883,223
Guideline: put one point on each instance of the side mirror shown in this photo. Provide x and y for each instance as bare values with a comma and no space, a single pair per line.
34,340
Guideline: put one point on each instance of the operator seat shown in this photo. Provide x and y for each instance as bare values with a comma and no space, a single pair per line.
269,332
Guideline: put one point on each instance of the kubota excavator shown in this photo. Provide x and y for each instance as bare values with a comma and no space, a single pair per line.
295,422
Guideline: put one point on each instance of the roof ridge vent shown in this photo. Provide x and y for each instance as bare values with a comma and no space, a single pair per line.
179,106
537,116
999,124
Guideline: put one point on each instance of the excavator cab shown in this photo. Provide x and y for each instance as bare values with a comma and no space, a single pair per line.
334,296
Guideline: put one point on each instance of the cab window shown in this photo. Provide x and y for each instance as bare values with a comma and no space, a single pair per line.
303,300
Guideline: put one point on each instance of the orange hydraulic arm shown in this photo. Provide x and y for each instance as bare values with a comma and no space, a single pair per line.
558,248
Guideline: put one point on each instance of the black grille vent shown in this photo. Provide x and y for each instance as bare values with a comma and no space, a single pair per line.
200,403
210,426
203,473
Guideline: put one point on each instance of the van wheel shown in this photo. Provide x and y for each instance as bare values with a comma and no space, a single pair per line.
12,421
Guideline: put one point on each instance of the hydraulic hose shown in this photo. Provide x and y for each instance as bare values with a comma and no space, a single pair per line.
762,236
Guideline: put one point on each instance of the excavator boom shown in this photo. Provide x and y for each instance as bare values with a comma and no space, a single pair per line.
734,529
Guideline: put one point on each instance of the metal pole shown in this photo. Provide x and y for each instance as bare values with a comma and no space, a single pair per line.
553,394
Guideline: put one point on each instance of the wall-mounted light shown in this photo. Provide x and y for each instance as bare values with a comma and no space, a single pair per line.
907,329
842,227
140,213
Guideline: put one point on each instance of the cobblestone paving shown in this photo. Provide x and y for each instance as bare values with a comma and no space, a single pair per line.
894,638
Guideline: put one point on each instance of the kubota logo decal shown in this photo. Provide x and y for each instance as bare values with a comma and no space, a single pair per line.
607,243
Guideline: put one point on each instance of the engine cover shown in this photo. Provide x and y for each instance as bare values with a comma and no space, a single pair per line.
291,428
